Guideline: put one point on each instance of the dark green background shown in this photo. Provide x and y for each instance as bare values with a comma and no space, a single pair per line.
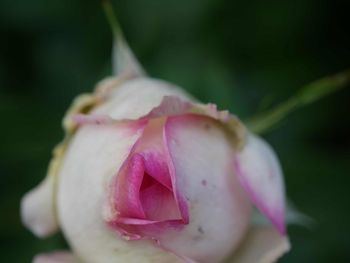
242,55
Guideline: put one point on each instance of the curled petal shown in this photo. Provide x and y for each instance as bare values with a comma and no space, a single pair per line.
262,244
38,209
56,257
259,173
128,187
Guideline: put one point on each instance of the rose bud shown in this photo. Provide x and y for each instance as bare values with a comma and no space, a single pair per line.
148,174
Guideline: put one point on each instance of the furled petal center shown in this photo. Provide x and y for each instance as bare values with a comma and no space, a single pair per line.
147,190
144,199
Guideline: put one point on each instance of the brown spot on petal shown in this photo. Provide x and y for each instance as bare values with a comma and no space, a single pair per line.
207,126
200,230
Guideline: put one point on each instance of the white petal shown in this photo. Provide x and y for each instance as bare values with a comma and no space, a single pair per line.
259,172
38,210
136,98
56,257
92,159
263,244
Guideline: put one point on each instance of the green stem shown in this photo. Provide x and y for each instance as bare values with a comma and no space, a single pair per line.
112,18
307,95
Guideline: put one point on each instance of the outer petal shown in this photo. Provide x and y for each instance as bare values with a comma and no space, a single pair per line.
137,98
56,257
218,210
95,154
262,244
38,210
171,105
259,172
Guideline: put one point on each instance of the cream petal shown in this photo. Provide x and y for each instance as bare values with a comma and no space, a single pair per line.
38,209
56,257
262,244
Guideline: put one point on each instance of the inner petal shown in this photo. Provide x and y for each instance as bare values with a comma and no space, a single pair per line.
128,186
157,200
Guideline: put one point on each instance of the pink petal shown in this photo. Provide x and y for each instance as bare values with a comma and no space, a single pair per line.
130,178
141,195
259,173
156,167
159,203
143,189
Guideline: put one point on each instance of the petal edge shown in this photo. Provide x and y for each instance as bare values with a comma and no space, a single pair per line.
259,173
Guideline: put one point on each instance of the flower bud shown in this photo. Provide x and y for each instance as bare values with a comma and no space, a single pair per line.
148,174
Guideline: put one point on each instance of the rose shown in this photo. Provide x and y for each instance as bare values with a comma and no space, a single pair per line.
146,174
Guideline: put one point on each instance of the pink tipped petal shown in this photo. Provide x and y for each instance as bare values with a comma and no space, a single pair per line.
218,211
259,173
38,209
262,244
56,257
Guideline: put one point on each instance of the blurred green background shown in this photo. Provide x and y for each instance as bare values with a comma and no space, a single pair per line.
243,55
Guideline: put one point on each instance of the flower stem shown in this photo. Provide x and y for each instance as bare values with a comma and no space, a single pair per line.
112,18
307,95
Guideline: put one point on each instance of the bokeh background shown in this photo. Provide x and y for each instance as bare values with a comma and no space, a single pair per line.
245,56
